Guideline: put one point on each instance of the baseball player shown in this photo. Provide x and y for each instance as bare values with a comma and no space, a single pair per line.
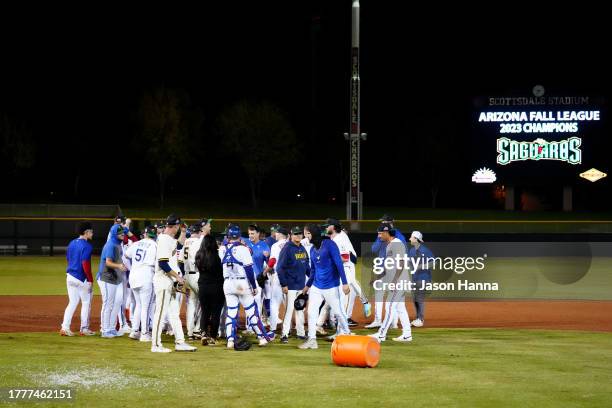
79,280
142,256
240,287
260,252
187,253
109,280
166,274
379,249
349,257
327,271
421,274
395,302
293,266
273,286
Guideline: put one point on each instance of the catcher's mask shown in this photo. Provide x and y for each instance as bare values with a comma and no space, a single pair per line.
241,344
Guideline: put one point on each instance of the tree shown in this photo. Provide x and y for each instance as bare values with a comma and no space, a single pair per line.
18,146
436,153
262,138
167,122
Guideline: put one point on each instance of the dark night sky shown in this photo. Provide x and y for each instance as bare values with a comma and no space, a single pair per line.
80,73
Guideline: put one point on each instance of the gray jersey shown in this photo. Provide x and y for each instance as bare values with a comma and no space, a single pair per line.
396,250
109,275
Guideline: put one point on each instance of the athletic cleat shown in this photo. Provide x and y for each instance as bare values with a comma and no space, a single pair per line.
169,332
367,309
191,338
160,349
230,344
418,323
378,337
210,341
197,335
87,332
374,325
321,331
284,340
115,333
145,337
352,323
109,335
271,335
125,330
309,344
66,333
134,335
262,342
184,347
403,339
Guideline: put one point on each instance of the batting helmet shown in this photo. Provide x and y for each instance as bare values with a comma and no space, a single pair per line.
300,301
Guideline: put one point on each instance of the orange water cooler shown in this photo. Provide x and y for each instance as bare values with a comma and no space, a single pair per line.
355,351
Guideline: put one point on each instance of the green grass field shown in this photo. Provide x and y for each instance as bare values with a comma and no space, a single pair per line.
441,367
471,368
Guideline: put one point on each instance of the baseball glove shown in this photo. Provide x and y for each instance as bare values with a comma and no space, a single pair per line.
180,287
241,344
261,279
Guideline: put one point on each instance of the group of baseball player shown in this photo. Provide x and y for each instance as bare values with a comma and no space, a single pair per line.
310,267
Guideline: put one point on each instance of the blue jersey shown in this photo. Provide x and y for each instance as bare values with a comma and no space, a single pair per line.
270,241
326,266
78,251
424,253
257,251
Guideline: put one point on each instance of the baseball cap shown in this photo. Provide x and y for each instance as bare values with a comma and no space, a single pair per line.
195,228
385,227
173,219
205,221
386,218
282,230
151,231
417,235
120,219
274,227
331,221
297,231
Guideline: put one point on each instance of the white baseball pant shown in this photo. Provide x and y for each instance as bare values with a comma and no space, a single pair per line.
332,297
143,299
167,303
289,309
77,291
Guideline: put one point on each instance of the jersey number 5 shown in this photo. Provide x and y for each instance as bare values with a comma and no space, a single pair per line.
140,254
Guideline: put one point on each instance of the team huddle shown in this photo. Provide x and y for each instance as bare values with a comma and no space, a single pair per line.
310,270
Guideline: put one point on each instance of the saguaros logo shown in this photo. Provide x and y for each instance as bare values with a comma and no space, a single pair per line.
562,150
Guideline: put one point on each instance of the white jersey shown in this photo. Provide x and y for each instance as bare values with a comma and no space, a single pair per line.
184,254
239,254
276,250
166,251
142,255
191,255
306,244
345,247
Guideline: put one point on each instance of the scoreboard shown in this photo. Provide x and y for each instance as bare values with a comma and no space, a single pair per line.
539,139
